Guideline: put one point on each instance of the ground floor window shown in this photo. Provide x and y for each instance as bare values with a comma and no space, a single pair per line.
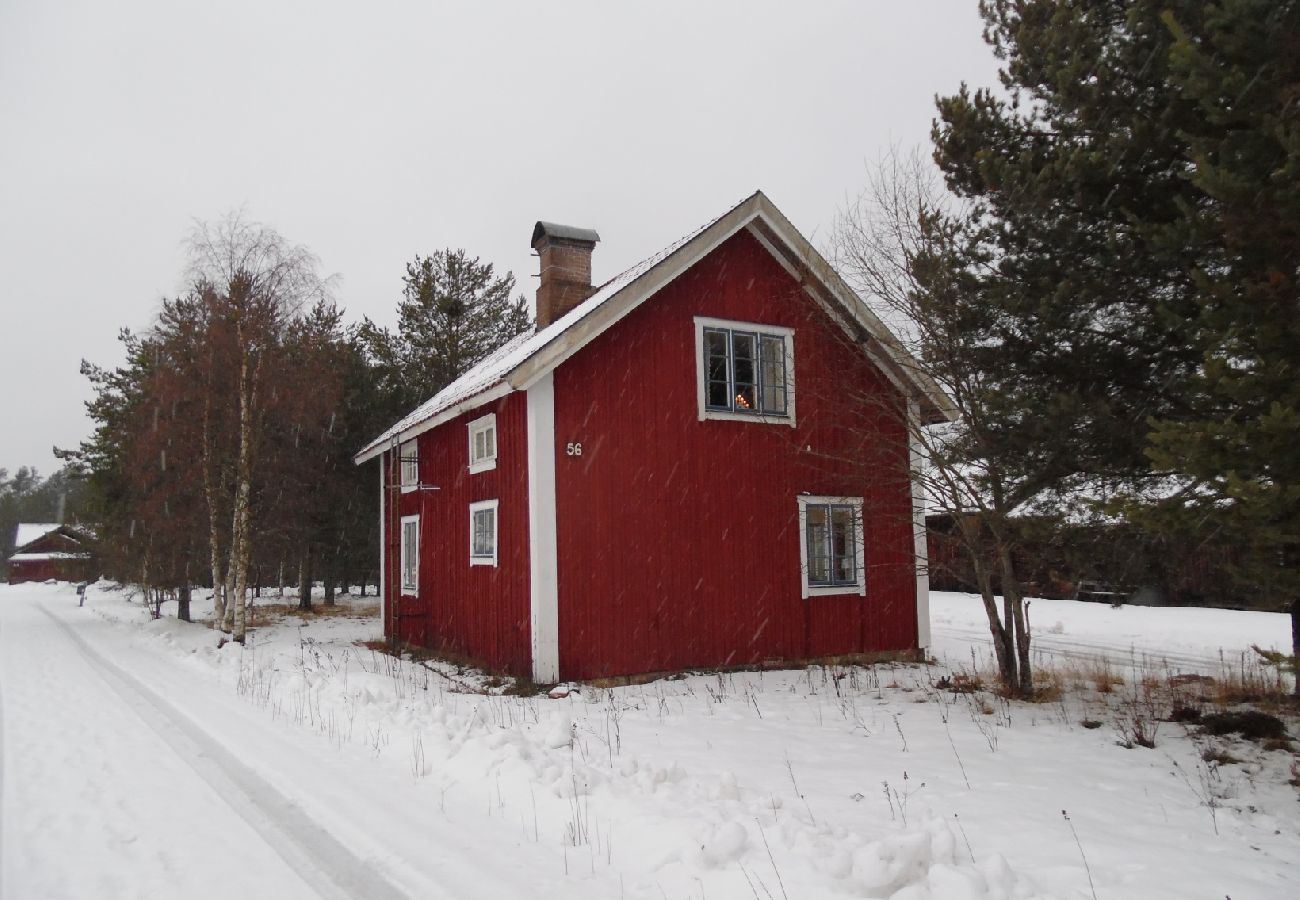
483,533
831,546
410,553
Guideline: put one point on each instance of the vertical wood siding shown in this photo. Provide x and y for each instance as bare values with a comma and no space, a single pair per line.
480,613
679,539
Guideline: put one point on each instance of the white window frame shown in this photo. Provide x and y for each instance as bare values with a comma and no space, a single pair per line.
410,588
477,427
496,530
408,455
701,373
859,548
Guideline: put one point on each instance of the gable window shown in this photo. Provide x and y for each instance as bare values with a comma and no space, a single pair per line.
483,443
746,371
410,554
483,533
831,545
410,465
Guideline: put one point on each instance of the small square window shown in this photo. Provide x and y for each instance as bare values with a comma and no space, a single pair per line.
483,443
745,371
410,454
410,555
831,546
483,533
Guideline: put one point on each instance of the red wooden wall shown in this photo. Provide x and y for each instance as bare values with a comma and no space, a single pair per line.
476,612
679,539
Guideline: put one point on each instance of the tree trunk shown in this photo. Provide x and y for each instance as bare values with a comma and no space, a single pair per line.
240,546
183,603
1003,643
1295,641
304,581
219,594
329,584
1015,603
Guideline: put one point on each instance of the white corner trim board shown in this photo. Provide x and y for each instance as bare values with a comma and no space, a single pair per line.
543,550
919,545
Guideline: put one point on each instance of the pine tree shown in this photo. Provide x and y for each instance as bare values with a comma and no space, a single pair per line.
1134,233
454,311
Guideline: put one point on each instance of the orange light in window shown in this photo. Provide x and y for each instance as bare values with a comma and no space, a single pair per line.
742,402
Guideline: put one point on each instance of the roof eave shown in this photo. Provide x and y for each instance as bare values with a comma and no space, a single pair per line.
375,448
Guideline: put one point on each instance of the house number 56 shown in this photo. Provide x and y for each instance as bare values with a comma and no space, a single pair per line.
573,448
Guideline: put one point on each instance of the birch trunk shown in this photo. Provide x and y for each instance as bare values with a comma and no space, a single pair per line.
214,526
240,546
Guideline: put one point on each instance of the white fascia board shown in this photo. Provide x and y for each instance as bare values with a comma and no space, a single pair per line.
885,351
496,392
616,307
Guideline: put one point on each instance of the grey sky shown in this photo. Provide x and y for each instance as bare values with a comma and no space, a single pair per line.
374,131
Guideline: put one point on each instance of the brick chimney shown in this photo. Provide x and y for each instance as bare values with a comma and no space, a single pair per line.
565,255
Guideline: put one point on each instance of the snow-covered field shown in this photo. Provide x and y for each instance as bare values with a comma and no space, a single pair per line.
138,760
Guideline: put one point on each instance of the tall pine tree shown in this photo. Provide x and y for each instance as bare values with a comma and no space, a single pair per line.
1134,192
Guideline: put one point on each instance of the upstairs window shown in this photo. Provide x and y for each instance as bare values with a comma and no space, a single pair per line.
831,545
746,371
483,443
410,465
483,533
410,554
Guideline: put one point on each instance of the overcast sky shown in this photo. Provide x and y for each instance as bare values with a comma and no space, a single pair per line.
374,131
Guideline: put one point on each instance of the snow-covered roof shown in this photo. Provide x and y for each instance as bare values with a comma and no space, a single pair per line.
38,557
523,360
31,531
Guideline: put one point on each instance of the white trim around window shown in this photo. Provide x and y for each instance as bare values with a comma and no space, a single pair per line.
409,553
410,460
754,377
483,533
832,549
483,443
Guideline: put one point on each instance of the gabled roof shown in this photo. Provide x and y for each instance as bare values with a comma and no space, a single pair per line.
530,356
27,532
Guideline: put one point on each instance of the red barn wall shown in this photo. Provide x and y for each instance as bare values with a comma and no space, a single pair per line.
678,540
480,613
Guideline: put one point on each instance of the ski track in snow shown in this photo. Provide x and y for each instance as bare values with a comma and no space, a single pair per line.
333,870
1092,650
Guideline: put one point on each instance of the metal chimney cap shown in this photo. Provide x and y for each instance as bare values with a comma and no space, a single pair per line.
564,233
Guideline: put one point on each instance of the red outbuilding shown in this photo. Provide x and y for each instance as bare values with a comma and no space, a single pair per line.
50,551
704,462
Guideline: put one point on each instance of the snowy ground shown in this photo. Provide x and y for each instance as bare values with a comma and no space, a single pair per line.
137,760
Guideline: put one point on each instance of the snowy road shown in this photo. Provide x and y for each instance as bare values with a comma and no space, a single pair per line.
85,747
109,788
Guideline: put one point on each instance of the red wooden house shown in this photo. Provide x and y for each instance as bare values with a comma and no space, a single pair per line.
49,551
703,462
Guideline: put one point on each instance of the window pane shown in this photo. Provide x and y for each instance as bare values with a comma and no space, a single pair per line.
716,366
483,531
843,546
819,564
744,359
772,374
410,549
490,443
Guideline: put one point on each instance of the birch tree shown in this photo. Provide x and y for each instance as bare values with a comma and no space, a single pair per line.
256,283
